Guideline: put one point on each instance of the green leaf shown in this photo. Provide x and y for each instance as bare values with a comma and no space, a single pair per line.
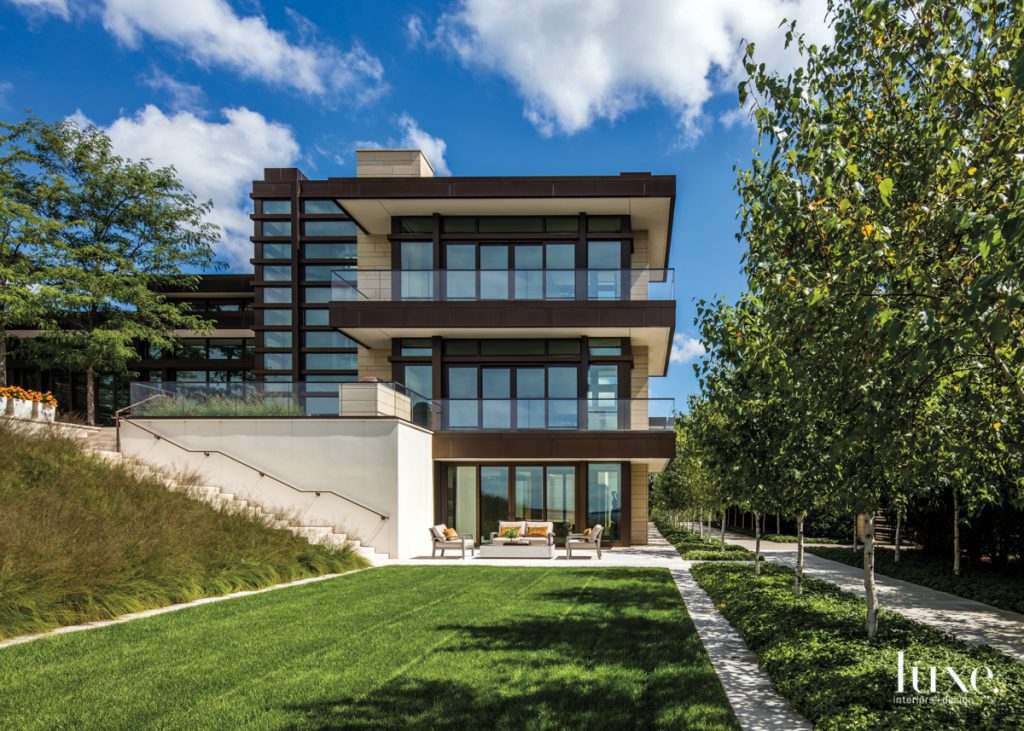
885,188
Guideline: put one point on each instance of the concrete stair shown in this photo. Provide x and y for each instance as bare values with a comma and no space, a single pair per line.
104,445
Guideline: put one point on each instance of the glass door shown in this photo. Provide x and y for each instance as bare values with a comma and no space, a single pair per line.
529,493
604,498
462,494
561,499
602,397
494,503
416,277
604,270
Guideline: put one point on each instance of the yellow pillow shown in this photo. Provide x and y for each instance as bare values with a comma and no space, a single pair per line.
538,532
586,533
450,534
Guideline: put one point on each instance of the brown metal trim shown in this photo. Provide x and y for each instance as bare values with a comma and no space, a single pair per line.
554,445
493,314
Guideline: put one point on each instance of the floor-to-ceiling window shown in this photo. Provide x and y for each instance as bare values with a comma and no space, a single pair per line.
561,498
529,492
493,498
604,498
462,499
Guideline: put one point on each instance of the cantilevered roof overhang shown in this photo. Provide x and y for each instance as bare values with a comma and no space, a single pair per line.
648,199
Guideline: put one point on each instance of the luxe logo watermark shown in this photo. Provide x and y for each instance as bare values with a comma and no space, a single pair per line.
931,684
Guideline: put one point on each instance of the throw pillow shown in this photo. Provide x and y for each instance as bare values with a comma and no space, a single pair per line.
450,534
540,532
586,533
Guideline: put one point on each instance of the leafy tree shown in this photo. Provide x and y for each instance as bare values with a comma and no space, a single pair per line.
25,235
126,230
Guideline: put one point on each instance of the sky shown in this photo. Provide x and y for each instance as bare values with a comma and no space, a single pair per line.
222,89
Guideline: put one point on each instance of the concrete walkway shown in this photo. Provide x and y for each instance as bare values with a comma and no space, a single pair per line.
965,619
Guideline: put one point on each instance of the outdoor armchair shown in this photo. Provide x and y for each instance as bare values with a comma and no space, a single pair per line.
439,541
579,542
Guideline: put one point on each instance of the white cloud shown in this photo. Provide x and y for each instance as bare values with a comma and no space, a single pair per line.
413,137
183,96
575,61
686,349
433,147
212,34
215,160
55,7
414,30
5,88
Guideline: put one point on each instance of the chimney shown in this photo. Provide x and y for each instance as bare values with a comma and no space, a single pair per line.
392,164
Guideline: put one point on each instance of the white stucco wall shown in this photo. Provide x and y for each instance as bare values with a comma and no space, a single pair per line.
385,464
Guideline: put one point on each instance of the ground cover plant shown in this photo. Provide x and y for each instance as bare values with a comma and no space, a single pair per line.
694,548
82,539
1003,589
250,406
403,647
814,649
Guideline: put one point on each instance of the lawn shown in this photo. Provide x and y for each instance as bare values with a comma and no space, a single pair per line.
398,647
815,650
1003,589
694,548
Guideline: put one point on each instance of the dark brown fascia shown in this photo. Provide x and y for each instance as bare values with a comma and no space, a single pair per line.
554,445
504,314
280,183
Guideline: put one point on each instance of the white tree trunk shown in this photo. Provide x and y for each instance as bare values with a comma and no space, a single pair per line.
798,589
956,531
855,526
700,522
870,590
90,395
778,524
723,531
709,525
896,550
757,544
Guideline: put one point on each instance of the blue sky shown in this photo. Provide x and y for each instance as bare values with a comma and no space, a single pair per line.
222,89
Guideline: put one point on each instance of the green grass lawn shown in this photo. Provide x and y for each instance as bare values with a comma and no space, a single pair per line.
393,648
999,588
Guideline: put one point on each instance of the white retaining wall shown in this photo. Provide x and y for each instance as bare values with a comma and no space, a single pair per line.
384,464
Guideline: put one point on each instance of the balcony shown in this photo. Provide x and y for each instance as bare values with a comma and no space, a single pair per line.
590,414
496,285
375,306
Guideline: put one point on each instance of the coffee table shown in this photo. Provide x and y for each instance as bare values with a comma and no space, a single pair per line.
513,550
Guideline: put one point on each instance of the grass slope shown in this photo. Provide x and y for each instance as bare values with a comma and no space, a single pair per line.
82,540
694,548
817,655
1000,589
391,648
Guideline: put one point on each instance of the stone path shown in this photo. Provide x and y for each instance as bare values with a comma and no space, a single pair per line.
965,619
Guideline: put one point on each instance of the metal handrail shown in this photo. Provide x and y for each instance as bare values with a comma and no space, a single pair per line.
261,473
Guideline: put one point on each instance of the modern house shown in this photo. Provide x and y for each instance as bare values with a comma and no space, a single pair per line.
525,314
461,350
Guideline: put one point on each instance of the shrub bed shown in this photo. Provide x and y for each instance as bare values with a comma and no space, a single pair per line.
82,539
1004,589
817,655
694,548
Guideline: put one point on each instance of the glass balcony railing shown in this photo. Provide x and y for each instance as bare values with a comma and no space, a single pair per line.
475,285
379,398
590,414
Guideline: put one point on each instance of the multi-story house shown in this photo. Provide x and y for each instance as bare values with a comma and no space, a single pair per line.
524,315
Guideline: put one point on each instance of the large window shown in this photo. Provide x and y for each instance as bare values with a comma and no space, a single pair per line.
332,250
512,397
277,206
494,504
331,361
321,206
327,339
602,397
277,228
604,270
329,228
604,498
462,487
529,492
417,261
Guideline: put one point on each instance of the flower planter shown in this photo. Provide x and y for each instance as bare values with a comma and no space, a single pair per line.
22,409
3,406
47,413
